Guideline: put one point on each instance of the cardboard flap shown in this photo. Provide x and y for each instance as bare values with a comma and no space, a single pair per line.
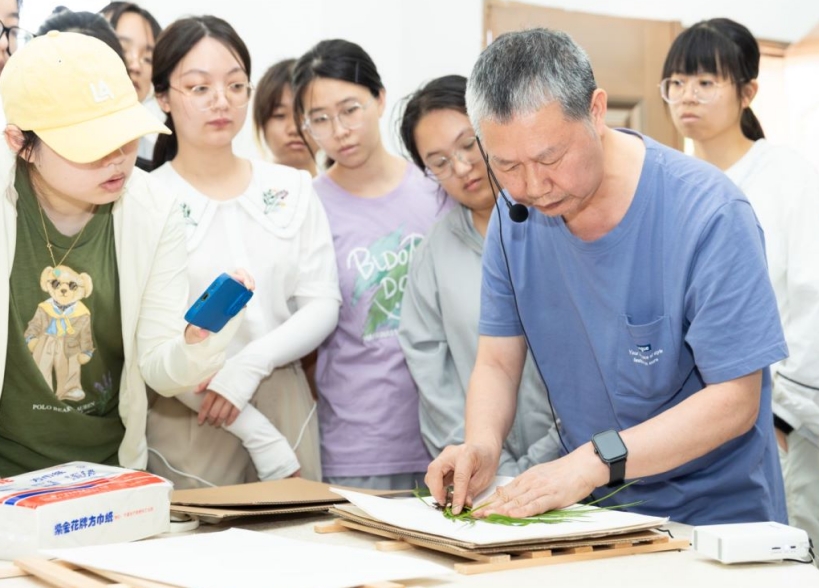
287,492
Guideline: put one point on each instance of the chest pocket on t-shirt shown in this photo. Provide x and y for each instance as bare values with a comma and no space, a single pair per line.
647,357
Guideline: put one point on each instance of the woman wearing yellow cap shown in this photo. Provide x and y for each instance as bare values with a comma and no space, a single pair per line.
93,265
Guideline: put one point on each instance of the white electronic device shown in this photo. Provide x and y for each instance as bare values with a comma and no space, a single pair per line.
747,542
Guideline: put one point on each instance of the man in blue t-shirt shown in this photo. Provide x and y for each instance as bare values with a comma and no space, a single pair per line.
639,282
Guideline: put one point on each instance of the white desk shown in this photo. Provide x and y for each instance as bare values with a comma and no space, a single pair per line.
654,570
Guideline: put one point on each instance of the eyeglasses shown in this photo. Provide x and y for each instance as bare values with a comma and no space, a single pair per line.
18,38
204,97
704,89
350,117
441,167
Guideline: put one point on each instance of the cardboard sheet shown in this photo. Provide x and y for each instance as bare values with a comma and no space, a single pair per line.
246,558
287,492
276,497
420,515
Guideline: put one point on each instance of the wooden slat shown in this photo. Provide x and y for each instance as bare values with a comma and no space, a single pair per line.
393,545
578,555
325,528
58,575
12,571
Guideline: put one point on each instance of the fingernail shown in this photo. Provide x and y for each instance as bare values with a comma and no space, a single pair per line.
456,508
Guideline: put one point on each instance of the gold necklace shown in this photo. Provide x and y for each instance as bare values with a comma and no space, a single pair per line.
48,241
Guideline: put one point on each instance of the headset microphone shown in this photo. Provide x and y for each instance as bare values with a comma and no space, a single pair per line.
517,212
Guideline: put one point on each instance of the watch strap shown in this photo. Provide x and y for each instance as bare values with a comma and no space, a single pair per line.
617,472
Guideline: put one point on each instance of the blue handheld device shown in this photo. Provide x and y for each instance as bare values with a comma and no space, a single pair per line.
223,300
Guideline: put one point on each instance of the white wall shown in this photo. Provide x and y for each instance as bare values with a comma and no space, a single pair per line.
413,41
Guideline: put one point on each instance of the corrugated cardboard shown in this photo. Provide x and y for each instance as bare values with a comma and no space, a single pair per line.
276,497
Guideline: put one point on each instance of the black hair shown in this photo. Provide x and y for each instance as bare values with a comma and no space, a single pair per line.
114,11
268,92
334,59
86,23
721,47
173,44
31,143
445,93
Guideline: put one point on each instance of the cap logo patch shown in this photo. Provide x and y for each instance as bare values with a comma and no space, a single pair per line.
101,91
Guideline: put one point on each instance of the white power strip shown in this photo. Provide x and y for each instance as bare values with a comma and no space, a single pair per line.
747,542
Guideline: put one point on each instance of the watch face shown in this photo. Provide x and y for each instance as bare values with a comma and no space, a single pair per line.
609,446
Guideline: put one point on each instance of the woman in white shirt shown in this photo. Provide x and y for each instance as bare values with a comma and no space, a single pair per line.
254,215
710,80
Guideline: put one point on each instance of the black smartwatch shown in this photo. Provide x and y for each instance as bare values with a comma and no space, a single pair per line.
610,448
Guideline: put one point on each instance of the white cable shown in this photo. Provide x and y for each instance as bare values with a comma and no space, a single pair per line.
205,482
304,426
176,471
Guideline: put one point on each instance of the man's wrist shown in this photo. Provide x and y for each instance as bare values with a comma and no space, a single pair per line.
599,471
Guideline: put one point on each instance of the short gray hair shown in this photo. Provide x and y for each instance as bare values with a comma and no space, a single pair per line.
523,71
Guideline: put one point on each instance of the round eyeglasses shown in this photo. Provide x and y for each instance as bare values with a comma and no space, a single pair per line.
17,37
351,116
703,88
442,167
204,97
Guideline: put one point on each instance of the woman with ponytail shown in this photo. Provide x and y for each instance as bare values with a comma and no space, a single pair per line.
709,82
256,215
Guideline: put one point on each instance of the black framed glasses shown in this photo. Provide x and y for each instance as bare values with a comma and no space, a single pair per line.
17,37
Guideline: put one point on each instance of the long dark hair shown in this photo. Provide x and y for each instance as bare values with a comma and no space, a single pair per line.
268,93
171,47
86,23
721,47
334,59
445,93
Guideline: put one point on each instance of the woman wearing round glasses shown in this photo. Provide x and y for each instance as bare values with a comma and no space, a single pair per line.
379,209
710,80
439,320
259,216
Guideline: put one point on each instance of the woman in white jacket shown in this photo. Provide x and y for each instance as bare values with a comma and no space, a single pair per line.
93,264
263,217
709,82
439,319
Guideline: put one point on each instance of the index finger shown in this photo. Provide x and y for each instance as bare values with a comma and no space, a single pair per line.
464,471
204,409
437,472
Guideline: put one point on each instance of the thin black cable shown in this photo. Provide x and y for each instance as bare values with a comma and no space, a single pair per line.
491,176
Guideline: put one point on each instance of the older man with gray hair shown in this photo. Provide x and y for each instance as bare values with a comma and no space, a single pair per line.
642,292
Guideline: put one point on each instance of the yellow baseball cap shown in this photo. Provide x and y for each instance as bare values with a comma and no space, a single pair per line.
74,92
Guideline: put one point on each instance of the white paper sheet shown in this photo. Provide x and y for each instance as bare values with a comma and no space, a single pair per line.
418,515
247,558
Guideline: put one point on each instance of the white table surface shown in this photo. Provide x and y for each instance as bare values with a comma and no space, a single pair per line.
656,570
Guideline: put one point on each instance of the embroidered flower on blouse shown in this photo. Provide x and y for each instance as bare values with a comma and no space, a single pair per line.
273,200
186,215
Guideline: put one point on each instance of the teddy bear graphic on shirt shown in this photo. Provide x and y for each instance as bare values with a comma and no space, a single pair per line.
59,335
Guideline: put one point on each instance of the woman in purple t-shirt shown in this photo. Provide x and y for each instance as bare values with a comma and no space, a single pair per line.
379,209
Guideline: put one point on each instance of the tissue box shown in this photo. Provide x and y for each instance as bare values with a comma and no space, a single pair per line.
77,504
